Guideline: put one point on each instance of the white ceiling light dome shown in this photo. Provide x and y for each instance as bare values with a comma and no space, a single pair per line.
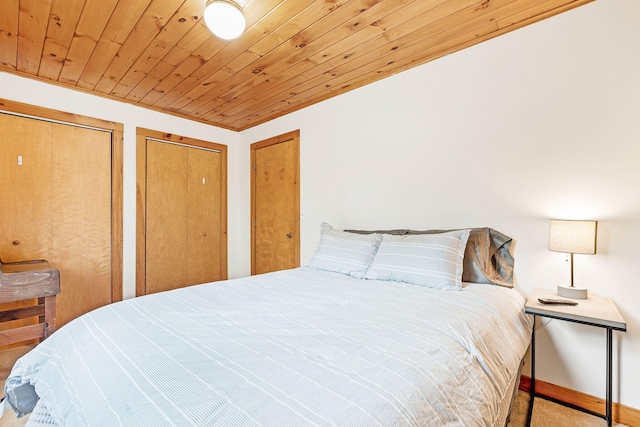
224,18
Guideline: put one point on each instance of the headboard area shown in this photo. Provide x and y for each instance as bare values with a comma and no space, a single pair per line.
487,257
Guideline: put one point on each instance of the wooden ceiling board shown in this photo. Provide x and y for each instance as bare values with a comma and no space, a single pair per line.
62,23
191,41
120,24
32,27
194,61
88,32
294,53
154,20
9,13
180,24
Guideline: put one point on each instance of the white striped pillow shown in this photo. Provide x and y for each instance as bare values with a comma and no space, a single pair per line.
433,260
345,253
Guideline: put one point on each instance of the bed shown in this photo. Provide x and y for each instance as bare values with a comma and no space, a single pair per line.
307,346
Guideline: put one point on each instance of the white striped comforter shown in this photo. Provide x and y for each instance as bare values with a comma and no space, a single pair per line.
292,348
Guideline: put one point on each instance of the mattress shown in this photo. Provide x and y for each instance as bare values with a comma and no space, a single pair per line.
292,348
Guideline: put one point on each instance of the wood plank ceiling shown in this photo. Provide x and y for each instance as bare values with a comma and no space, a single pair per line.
158,53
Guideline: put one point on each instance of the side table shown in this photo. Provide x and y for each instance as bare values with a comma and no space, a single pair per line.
594,311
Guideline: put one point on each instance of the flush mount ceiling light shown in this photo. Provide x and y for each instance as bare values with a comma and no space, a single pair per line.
224,18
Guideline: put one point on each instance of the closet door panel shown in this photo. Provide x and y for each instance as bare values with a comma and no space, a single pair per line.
166,217
81,219
25,205
204,217
25,209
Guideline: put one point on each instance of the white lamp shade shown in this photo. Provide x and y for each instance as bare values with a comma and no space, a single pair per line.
575,237
224,18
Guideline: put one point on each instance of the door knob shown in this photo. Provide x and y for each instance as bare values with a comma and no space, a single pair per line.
16,242
290,236
204,234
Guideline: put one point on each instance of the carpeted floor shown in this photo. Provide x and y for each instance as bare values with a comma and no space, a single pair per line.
549,414
545,413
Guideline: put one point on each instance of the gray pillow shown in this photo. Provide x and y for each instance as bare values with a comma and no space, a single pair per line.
487,257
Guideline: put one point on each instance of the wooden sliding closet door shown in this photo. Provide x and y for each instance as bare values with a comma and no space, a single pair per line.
182,203
81,219
57,205
204,216
25,177
166,216
25,203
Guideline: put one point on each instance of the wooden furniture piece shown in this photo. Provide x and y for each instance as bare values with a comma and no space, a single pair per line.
23,281
594,311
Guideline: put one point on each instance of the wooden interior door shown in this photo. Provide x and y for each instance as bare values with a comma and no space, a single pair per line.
204,217
275,204
81,219
166,216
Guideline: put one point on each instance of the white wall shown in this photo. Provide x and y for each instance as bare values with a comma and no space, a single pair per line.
34,92
540,123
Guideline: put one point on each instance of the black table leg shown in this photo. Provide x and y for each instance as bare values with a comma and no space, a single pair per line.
609,379
533,372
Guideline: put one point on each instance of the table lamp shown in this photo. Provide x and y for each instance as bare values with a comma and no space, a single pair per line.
572,237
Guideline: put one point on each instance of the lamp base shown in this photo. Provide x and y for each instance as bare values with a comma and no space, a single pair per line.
572,292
